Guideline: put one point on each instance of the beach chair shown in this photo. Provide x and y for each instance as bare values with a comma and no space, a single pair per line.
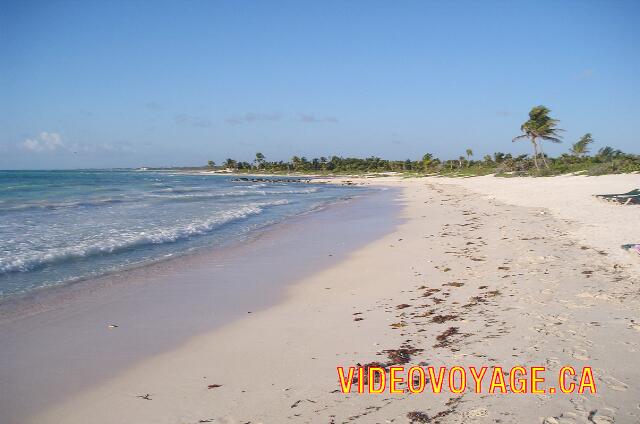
632,248
630,198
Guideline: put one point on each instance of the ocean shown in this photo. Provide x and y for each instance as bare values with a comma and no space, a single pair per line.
57,227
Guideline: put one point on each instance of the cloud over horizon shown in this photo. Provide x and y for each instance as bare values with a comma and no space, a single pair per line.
44,142
253,117
50,142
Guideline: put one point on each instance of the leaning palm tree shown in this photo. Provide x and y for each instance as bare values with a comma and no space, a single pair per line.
540,126
581,147
469,153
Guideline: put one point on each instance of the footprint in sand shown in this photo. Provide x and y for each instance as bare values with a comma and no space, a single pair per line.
602,416
611,382
552,362
477,413
634,326
578,353
587,412
602,420
559,420
599,296
576,306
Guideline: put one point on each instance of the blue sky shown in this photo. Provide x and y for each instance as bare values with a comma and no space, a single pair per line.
107,84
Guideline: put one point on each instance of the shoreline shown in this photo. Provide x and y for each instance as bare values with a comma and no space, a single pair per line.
28,273
42,299
466,278
159,306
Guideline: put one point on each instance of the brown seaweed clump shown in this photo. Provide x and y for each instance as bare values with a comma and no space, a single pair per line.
444,338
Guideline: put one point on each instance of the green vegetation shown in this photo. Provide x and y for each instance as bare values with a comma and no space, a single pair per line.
538,128
606,161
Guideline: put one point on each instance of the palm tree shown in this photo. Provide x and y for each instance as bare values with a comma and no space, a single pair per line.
581,147
608,153
211,164
540,126
469,153
323,163
427,159
259,160
230,164
303,163
295,161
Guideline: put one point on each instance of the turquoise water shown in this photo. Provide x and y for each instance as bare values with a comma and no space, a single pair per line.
62,226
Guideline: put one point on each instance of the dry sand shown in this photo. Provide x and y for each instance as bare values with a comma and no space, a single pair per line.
485,272
595,223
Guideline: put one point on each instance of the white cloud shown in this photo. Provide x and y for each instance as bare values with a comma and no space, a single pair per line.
52,142
44,142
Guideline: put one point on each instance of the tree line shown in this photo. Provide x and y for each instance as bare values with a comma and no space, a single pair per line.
539,128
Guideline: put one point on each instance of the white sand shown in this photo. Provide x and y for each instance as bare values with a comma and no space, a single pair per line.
550,303
597,223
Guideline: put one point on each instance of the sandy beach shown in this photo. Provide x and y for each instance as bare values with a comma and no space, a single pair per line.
479,272
319,212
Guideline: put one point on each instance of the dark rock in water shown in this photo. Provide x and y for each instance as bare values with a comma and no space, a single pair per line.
271,180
